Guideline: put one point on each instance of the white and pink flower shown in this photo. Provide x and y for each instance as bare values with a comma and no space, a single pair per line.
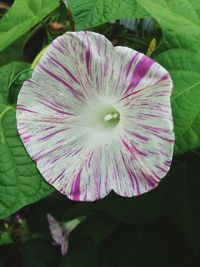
60,231
97,118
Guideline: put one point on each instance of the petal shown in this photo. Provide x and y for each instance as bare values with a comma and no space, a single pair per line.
81,61
147,141
73,69
130,69
64,248
58,233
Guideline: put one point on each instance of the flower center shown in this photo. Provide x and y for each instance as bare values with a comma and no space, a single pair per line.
101,116
112,118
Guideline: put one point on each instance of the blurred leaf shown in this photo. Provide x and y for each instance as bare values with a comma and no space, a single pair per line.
186,212
21,17
82,253
91,13
105,264
20,181
150,245
97,226
193,183
5,238
38,253
181,213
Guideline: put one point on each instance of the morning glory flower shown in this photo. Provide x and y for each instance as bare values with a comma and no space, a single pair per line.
97,118
60,231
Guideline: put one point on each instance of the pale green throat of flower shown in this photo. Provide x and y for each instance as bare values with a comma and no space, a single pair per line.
112,118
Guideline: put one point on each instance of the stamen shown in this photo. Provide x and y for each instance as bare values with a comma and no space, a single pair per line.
111,116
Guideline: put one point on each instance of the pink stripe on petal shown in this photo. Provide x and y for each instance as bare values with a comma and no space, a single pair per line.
76,187
46,137
45,103
135,56
140,71
139,136
26,109
60,80
48,128
65,69
60,176
41,155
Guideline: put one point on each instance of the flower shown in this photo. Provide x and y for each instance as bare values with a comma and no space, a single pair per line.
60,231
97,118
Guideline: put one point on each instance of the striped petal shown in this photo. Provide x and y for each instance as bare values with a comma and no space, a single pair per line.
97,118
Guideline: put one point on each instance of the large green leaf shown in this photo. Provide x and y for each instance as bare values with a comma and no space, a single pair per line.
20,181
91,13
22,16
179,53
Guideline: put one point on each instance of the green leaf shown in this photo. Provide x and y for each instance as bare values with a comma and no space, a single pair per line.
13,52
21,17
8,74
179,54
16,85
20,181
91,13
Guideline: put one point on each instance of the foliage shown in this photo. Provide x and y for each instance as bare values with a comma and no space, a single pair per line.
160,228
22,17
92,13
